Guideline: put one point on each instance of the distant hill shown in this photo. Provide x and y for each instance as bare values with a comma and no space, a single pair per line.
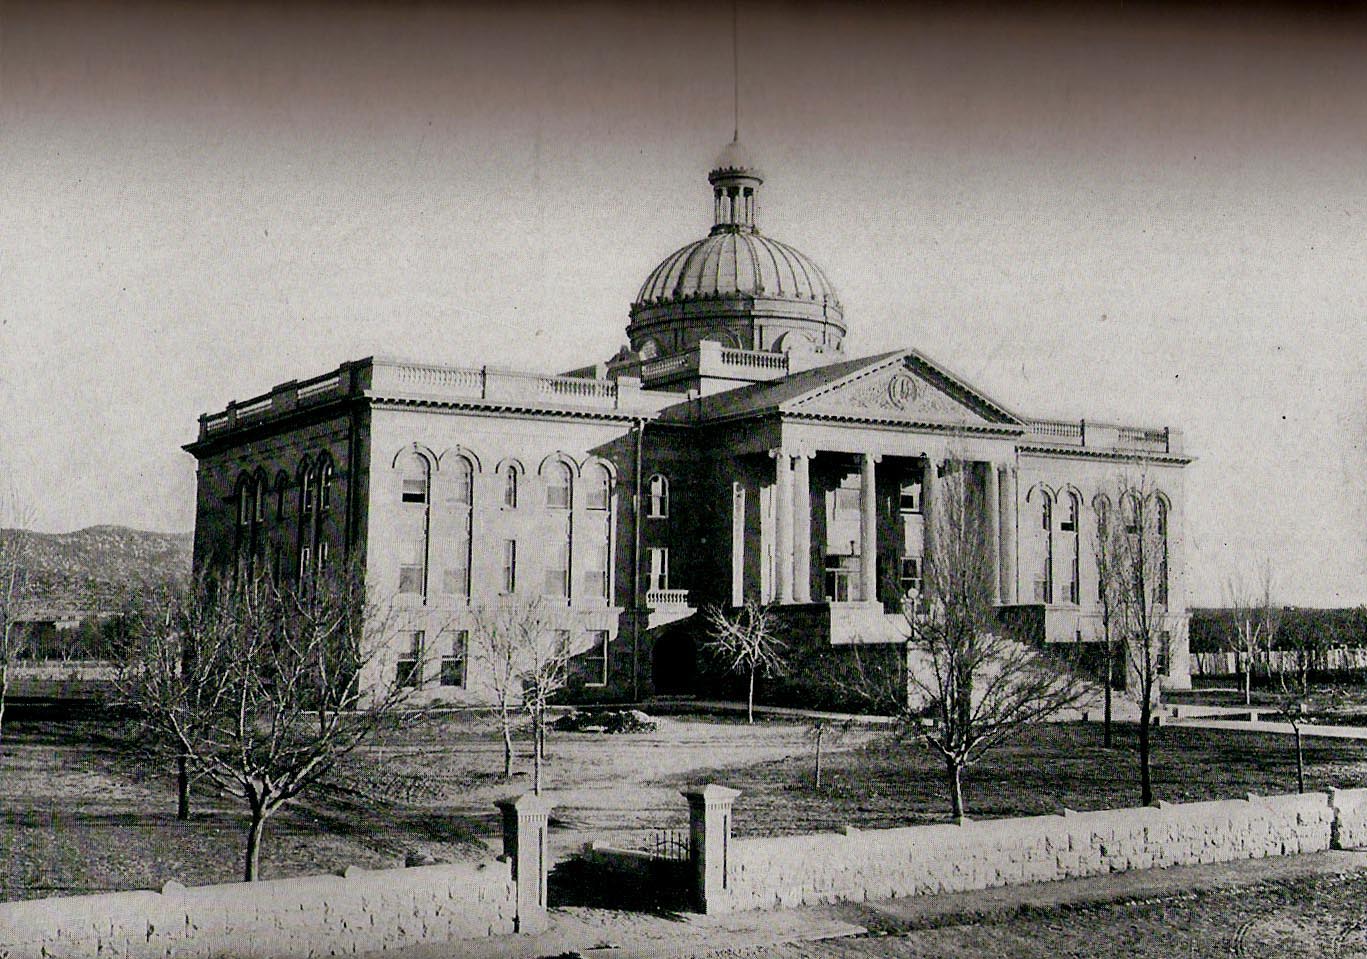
91,569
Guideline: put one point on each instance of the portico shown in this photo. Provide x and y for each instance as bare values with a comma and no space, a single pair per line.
852,526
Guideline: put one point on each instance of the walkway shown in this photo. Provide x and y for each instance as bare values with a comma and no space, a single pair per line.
1264,726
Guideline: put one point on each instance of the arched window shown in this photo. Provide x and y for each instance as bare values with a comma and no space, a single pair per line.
1071,526
415,475
659,497
282,483
307,489
510,487
460,547
243,497
1044,585
260,493
558,480
325,485
1161,531
599,491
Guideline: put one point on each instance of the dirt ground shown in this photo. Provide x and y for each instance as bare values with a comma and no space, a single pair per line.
1319,917
78,815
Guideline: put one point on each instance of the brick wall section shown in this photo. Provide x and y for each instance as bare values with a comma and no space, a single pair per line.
919,860
316,916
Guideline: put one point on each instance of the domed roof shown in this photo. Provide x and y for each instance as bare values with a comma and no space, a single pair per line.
734,158
738,262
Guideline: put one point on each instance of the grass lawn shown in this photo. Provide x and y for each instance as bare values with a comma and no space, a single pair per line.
77,815
894,782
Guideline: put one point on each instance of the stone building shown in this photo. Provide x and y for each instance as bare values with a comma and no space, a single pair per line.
730,450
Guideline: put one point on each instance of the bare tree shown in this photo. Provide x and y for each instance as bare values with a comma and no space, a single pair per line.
1138,560
969,682
1252,624
746,642
16,590
262,688
525,661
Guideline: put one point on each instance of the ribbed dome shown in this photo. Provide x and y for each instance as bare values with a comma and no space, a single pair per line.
738,262
735,285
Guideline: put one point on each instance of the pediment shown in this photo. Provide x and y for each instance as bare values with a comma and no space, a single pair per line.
907,387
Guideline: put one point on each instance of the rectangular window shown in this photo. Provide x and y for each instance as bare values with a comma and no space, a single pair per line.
911,575
659,568
409,673
1164,643
510,489
596,659
510,566
910,497
659,497
453,664
558,572
842,578
322,556
457,581
305,558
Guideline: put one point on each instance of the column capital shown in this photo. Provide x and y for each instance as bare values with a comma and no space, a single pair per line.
778,451
871,457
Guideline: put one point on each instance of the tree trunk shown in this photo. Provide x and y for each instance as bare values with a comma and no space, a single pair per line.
750,701
954,778
1106,715
4,691
254,831
507,746
1145,779
182,788
1300,761
1248,680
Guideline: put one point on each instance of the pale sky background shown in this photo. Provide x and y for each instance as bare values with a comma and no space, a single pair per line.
1141,213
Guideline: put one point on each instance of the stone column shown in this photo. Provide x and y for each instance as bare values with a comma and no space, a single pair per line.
783,525
709,845
802,528
1008,534
992,498
868,531
930,505
525,824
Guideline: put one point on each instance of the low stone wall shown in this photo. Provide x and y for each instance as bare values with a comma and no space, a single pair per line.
358,912
1350,817
365,911
918,860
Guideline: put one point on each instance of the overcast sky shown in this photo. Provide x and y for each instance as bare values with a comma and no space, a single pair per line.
1144,214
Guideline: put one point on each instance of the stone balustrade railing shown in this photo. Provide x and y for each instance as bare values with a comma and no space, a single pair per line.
396,378
667,597
1089,435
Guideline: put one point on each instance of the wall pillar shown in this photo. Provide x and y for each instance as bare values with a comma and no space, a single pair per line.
802,528
868,530
525,825
992,499
1008,534
930,507
737,544
709,844
783,524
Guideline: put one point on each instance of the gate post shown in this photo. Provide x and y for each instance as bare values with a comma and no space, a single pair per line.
709,844
525,823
